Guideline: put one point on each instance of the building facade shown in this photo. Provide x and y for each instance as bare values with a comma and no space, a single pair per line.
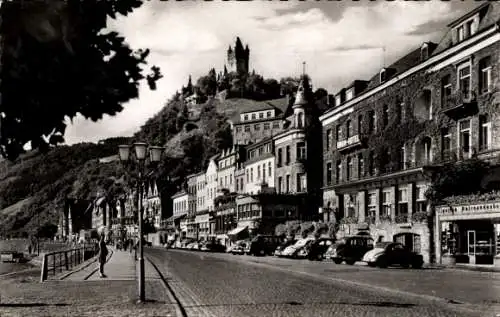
382,139
258,120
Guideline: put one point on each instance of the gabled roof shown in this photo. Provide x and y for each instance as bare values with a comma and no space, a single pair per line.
490,13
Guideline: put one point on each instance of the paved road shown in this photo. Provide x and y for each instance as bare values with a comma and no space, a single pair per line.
226,285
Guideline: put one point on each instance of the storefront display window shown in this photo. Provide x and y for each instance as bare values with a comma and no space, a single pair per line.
448,239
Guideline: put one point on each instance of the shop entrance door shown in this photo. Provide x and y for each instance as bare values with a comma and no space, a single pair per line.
471,246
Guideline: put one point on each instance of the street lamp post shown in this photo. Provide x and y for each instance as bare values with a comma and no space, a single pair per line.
140,150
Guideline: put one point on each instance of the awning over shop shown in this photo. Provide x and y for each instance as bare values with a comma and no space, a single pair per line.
236,231
172,218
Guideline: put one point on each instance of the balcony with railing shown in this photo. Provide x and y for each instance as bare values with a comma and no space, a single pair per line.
349,143
460,104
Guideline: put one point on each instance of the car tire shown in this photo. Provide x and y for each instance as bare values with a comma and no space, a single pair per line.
350,261
381,263
371,264
338,261
417,265
405,265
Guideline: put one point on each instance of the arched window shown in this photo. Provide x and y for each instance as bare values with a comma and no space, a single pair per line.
300,120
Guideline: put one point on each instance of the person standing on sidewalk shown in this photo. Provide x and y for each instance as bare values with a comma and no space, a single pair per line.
103,253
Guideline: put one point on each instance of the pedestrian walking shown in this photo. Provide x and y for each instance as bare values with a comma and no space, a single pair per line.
103,253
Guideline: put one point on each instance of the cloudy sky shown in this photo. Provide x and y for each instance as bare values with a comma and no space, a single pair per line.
340,41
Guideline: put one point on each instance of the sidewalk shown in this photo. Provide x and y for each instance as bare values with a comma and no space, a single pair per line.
84,293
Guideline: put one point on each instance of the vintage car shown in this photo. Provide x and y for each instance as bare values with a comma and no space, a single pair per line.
279,249
317,248
393,253
350,249
298,249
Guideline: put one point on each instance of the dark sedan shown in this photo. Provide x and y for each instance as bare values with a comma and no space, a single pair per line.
393,253
318,247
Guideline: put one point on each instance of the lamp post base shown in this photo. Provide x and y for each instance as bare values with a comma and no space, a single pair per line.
142,297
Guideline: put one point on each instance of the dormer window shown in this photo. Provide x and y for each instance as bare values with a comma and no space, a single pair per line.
424,52
349,94
246,118
383,76
466,29
254,116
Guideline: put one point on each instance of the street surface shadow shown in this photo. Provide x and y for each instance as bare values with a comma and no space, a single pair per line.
30,305
294,303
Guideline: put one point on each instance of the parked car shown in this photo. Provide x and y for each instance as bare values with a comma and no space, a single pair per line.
292,250
212,246
279,250
317,248
350,249
263,245
393,253
238,247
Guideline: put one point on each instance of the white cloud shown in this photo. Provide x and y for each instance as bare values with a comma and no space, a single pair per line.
190,38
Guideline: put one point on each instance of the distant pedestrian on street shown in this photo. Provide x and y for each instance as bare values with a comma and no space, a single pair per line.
103,253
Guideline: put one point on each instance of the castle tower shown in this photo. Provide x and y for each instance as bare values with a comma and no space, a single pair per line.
238,59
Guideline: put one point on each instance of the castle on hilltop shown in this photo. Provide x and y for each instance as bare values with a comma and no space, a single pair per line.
238,58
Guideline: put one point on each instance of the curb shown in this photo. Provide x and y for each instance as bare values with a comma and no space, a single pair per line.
179,310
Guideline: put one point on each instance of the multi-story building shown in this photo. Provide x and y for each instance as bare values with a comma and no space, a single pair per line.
191,215
259,167
180,204
298,151
258,120
152,203
227,162
381,137
202,217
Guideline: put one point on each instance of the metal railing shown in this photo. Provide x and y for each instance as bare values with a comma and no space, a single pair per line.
59,261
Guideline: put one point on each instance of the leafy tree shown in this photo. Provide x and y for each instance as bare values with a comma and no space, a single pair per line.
58,61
